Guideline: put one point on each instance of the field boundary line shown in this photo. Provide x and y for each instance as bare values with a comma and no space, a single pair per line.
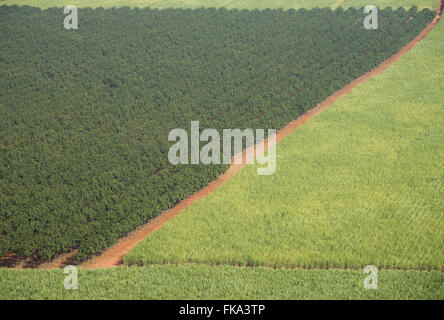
265,266
113,256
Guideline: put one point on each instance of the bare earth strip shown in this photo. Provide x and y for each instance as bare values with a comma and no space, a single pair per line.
113,256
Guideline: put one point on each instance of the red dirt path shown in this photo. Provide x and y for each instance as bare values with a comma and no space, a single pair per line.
113,256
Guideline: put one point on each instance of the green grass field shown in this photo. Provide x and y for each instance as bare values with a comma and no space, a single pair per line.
360,184
223,282
229,4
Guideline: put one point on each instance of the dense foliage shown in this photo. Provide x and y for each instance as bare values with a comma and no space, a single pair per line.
85,114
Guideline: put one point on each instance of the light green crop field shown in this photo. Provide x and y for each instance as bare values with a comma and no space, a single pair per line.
222,282
360,184
229,4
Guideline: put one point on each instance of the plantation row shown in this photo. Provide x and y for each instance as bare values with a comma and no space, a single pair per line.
85,114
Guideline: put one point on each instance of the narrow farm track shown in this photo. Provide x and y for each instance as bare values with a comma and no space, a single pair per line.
113,256
278,267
